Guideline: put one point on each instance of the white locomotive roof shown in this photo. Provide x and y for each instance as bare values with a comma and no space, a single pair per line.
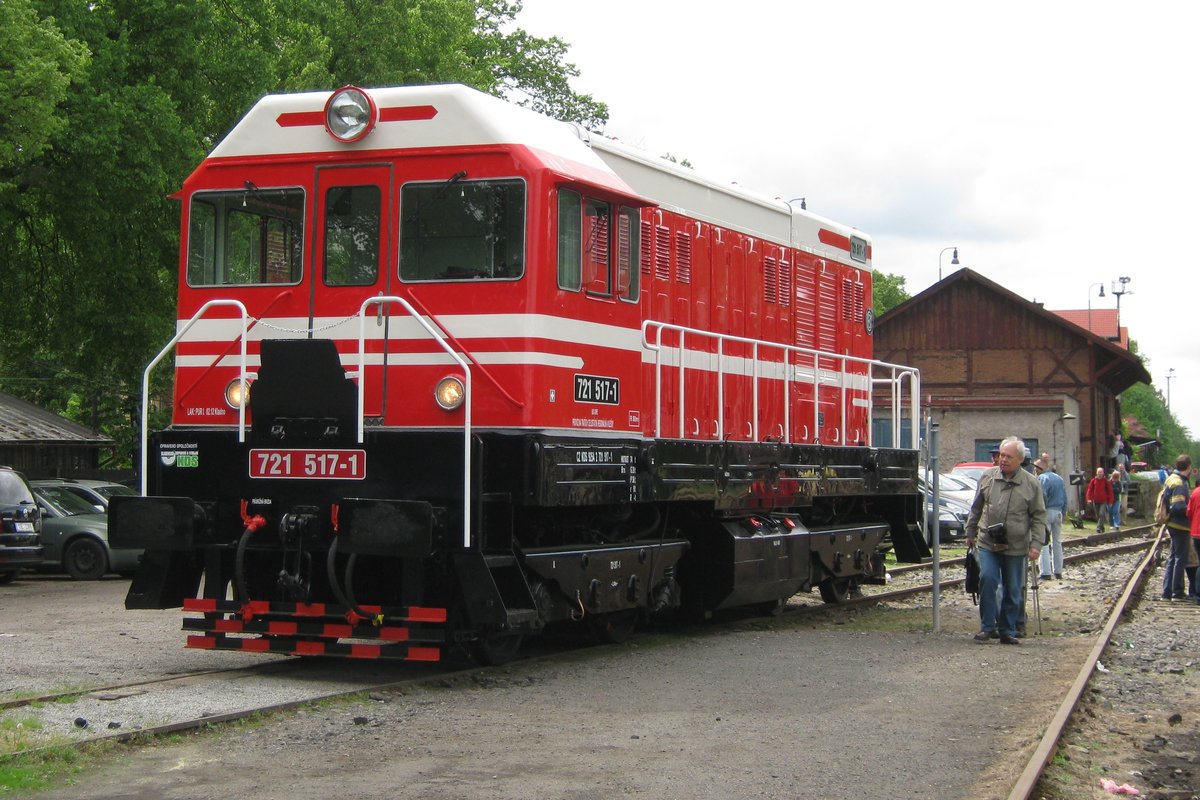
728,205
462,116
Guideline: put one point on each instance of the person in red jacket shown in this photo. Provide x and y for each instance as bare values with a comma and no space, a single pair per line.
1100,495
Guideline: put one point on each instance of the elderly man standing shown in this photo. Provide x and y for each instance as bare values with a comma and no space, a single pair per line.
1008,518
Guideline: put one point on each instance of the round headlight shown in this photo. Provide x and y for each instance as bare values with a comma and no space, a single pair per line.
237,393
449,393
349,114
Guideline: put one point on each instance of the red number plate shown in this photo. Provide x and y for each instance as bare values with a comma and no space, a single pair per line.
309,464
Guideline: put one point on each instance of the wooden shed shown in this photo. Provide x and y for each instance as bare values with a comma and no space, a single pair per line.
42,444
994,364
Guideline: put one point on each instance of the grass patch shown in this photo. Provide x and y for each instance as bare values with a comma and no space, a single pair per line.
47,767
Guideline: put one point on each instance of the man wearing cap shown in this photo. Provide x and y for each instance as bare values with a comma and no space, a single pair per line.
1008,517
1054,493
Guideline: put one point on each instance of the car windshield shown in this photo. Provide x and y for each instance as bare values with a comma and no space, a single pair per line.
63,501
13,490
113,489
954,483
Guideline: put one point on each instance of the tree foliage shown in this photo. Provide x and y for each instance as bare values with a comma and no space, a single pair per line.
887,292
107,105
1145,415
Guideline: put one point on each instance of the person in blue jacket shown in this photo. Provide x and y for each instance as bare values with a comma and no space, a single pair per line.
1054,492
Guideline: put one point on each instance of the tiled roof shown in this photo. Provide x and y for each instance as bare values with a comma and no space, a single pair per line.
1103,322
25,423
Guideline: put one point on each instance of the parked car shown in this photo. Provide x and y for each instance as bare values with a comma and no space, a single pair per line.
20,526
960,487
95,492
951,515
972,469
75,536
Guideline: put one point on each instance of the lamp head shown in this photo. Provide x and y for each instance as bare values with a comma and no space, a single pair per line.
1101,290
954,256
1067,415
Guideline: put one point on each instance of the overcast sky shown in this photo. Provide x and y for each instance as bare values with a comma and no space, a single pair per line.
1054,143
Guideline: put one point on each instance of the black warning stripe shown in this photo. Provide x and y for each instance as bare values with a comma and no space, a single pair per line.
310,629
263,607
307,647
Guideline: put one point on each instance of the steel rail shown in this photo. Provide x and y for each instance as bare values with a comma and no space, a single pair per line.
182,678
1027,782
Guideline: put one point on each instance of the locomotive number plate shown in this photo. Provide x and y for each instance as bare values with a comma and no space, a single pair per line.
594,389
309,464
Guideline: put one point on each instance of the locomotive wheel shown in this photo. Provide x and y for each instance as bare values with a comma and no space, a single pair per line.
499,648
835,590
614,627
85,560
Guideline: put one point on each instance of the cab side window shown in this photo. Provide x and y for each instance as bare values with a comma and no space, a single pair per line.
597,247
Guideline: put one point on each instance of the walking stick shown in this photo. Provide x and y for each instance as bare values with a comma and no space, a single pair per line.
1033,584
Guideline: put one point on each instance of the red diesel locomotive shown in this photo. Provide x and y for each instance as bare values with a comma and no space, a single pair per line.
448,372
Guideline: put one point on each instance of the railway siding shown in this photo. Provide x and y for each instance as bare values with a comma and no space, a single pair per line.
724,710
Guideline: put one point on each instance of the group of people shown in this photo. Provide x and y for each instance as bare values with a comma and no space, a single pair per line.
1107,494
1017,517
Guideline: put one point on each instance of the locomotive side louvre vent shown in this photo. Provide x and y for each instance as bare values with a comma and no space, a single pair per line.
771,279
683,257
645,247
859,295
662,253
827,312
806,306
785,283
847,300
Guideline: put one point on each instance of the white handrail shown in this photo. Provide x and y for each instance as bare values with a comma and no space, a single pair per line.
462,362
896,376
243,375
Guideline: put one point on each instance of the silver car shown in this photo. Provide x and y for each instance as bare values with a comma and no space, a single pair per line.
75,536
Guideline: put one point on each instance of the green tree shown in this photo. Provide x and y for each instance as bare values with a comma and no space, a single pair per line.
37,67
1144,413
887,292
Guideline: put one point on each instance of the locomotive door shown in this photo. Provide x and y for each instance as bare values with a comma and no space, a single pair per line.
352,248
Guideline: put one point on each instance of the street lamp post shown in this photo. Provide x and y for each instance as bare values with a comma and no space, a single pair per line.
953,258
1170,374
1101,285
1054,434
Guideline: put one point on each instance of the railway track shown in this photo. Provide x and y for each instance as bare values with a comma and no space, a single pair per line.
205,698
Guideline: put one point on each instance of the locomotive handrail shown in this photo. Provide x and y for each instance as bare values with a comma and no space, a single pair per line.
898,375
243,377
216,361
462,362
